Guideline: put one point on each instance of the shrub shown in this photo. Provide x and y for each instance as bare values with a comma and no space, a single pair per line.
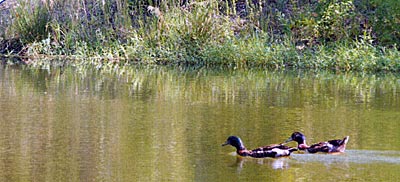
31,21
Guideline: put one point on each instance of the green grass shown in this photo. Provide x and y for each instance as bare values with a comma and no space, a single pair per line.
327,35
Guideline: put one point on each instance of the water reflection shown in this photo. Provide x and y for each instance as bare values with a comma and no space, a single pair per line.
163,124
275,163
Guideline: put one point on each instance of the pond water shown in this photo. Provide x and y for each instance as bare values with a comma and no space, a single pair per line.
163,124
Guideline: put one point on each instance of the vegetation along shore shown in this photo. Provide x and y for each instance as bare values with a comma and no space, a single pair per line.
343,35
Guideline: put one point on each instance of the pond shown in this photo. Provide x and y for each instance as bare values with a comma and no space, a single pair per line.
168,124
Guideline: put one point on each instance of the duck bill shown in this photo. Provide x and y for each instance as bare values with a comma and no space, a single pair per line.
288,140
226,143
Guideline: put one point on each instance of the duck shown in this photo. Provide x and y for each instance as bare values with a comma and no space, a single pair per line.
331,146
274,150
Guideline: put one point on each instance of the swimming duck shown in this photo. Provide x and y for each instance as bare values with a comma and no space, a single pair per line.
275,150
330,146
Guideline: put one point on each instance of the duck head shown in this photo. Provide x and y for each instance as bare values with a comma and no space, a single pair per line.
234,141
298,137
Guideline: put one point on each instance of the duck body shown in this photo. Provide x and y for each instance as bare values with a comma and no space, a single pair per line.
330,146
274,151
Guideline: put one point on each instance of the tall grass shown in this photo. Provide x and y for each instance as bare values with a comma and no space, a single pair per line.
31,22
326,34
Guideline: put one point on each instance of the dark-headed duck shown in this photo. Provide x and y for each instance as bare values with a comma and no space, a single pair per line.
330,146
275,150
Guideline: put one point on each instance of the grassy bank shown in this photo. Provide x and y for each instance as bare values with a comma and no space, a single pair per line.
326,34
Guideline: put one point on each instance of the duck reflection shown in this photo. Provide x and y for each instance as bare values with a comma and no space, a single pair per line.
275,163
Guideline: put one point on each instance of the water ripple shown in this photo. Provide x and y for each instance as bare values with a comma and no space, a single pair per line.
351,156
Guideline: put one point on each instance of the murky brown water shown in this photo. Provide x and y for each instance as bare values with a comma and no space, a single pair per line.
158,124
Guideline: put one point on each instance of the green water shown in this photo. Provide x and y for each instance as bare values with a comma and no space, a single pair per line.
159,124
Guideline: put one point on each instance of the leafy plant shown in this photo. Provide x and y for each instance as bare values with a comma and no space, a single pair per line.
31,21
336,21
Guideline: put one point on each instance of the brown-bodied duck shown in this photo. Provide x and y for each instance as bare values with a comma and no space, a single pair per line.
275,150
330,146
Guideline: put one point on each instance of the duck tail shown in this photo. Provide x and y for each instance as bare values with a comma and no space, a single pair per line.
345,140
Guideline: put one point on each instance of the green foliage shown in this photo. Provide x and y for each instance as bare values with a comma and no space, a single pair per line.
326,34
383,20
198,29
333,23
359,56
183,36
31,21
